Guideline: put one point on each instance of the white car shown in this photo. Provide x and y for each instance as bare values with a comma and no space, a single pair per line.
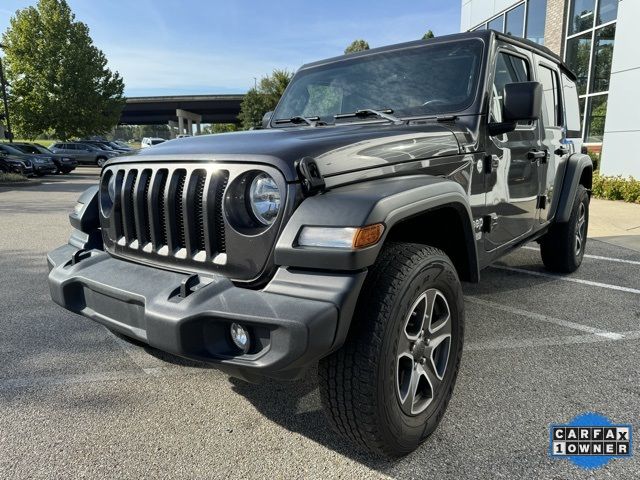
151,141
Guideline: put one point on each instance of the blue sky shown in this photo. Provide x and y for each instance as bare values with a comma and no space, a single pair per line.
196,46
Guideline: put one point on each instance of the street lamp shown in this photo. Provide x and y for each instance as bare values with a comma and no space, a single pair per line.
3,83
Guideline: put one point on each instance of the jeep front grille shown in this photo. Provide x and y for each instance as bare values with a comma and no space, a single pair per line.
171,212
173,215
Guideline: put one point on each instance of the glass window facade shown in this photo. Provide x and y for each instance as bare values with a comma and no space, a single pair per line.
515,22
526,19
588,53
536,17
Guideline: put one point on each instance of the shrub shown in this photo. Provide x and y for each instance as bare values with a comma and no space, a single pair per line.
616,188
12,177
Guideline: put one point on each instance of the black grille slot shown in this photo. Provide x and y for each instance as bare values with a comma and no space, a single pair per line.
178,210
221,185
162,212
198,209
145,206
117,207
128,218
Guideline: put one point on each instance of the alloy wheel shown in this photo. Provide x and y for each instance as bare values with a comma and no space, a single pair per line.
424,347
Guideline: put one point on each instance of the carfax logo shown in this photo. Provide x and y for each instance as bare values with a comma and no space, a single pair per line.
590,440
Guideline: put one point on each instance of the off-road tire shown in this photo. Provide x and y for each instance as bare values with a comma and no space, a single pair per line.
559,246
358,382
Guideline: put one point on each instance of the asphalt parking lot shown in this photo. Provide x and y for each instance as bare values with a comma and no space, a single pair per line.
75,401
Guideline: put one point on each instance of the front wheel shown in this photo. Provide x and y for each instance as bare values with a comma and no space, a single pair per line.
101,161
388,387
562,247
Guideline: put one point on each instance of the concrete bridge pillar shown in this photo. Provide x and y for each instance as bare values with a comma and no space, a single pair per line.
189,117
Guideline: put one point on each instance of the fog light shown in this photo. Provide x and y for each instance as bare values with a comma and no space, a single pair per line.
240,337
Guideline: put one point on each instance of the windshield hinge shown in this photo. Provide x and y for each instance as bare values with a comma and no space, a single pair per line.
310,176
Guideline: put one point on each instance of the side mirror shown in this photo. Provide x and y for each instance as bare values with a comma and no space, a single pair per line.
266,119
521,102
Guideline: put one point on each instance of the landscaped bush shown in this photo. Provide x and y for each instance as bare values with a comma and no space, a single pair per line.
12,177
616,188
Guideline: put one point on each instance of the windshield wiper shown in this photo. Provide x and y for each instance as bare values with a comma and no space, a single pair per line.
311,121
367,112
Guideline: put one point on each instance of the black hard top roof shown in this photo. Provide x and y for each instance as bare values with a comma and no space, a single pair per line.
484,35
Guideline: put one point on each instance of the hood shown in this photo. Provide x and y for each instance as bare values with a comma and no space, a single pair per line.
336,149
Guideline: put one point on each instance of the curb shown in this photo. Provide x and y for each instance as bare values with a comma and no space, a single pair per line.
28,183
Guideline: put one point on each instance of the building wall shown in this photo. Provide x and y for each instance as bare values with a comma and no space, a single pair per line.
622,128
477,11
555,25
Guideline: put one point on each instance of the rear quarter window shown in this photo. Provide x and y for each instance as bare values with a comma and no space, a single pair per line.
571,107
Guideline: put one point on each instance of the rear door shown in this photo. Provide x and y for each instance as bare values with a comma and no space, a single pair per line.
553,137
514,182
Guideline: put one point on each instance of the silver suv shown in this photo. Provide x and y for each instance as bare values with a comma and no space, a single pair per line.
83,152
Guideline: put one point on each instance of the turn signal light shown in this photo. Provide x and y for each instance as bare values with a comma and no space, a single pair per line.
367,236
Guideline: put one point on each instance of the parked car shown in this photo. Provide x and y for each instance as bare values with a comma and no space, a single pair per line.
63,163
340,233
104,145
123,145
83,153
42,164
151,141
10,164
118,147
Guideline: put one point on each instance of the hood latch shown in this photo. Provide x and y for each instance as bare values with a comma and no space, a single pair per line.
310,176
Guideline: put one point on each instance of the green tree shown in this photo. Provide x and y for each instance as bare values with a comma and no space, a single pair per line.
357,46
264,98
428,35
59,80
220,128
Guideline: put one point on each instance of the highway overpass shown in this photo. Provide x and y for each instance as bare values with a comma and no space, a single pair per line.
162,110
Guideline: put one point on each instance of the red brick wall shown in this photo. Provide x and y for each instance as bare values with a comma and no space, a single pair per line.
555,25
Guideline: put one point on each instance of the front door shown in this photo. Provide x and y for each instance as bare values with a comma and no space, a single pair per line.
513,183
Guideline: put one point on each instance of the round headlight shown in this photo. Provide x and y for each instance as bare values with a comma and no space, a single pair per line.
111,189
264,198
107,192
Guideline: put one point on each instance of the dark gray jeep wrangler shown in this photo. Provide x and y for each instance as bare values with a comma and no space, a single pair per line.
340,232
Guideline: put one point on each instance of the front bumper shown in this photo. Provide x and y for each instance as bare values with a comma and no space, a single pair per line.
43,168
296,319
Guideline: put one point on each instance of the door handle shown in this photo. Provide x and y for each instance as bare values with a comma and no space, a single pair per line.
562,150
537,154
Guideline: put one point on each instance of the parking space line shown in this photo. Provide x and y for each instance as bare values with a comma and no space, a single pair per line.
596,257
568,279
548,341
545,318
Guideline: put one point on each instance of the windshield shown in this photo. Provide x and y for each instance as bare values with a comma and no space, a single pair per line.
428,80
12,150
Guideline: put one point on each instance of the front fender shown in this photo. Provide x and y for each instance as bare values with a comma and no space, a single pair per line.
386,201
576,166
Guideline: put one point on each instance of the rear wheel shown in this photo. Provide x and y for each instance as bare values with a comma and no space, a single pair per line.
100,161
388,387
562,247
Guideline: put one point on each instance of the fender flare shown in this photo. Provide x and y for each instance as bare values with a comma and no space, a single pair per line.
576,165
387,201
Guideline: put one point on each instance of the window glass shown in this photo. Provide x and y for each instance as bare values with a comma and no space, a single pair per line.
551,99
602,56
515,22
596,118
583,106
581,15
497,24
70,146
323,100
578,51
573,109
434,78
509,69
536,17
607,11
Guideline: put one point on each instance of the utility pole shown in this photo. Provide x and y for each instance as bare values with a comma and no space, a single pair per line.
5,101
